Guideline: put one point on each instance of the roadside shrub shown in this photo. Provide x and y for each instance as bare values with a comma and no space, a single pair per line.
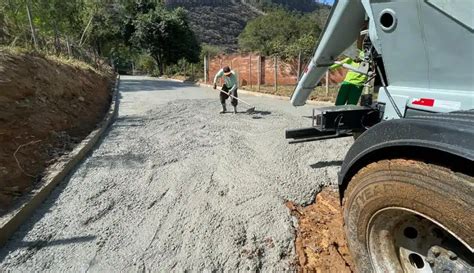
146,63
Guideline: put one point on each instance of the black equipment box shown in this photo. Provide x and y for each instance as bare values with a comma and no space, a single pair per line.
336,118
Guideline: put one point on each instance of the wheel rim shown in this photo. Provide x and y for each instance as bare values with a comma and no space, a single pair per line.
402,240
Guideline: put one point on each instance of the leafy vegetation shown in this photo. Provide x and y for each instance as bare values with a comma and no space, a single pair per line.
273,35
116,30
210,50
298,5
220,25
220,22
166,36
154,35
51,21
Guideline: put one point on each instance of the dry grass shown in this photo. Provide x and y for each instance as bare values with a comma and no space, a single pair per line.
286,90
102,69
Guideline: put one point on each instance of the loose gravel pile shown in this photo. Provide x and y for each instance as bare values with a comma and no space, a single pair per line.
179,187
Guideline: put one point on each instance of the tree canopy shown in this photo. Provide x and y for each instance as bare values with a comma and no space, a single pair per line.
280,32
121,31
111,29
299,5
166,36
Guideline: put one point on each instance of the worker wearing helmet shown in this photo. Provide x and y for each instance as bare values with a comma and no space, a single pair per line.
230,87
353,84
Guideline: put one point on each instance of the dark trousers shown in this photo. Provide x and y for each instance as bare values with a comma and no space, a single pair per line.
348,94
224,97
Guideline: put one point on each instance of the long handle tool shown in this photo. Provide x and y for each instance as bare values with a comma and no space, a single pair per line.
249,111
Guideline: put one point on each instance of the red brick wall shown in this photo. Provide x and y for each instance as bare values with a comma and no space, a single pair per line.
246,67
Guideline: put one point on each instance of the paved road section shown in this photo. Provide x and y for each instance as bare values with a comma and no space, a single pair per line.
176,186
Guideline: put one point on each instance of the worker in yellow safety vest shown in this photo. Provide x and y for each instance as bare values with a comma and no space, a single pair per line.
353,84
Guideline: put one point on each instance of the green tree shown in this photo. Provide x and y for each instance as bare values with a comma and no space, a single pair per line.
118,30
210,50
48,17
166,36
299,5
280,32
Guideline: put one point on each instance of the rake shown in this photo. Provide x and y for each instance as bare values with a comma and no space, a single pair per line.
249,111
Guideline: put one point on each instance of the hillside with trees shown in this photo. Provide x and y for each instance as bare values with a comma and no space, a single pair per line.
154,34
220,22
118,32
270,35
217,22
297,5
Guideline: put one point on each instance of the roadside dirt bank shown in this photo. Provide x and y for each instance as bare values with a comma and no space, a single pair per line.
47,105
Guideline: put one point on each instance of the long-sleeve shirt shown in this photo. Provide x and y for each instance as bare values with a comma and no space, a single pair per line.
230,81
352,77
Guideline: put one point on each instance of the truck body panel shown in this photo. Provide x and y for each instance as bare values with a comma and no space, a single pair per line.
451,133
427,47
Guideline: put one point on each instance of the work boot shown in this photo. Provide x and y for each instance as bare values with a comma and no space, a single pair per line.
235,109
224,109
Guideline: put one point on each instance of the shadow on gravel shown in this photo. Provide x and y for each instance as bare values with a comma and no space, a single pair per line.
17,240
129,122
323,164
127,86
39,244
260,114
47,243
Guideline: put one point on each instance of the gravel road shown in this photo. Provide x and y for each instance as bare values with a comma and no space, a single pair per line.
175,186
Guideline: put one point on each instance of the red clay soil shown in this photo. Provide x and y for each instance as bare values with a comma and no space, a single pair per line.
46,107
320,240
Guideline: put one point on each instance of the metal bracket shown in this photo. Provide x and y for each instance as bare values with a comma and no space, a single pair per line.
335,122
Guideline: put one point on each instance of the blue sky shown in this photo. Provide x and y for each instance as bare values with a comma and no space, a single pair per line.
328,1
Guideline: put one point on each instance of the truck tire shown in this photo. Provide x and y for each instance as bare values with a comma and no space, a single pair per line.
409,216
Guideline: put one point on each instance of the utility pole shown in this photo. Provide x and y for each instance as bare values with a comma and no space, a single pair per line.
299,67
276,73
250,70
205,69
327,82
259,69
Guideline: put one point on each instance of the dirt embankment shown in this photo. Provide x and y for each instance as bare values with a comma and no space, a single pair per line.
46,107
321,244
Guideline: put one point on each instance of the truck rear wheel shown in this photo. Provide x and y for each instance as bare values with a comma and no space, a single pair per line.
409,216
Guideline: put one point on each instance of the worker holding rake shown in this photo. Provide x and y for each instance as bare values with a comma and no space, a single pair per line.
229,88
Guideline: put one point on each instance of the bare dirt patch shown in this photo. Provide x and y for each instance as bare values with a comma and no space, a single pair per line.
320,240
46,107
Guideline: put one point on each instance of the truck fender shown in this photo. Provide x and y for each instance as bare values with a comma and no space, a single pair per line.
446,139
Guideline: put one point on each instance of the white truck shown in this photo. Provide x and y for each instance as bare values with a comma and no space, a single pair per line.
407,183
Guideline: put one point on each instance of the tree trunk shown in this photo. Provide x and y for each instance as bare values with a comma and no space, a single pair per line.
68,45
162,69
160,64
85,30
32,26
99,47
57,44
